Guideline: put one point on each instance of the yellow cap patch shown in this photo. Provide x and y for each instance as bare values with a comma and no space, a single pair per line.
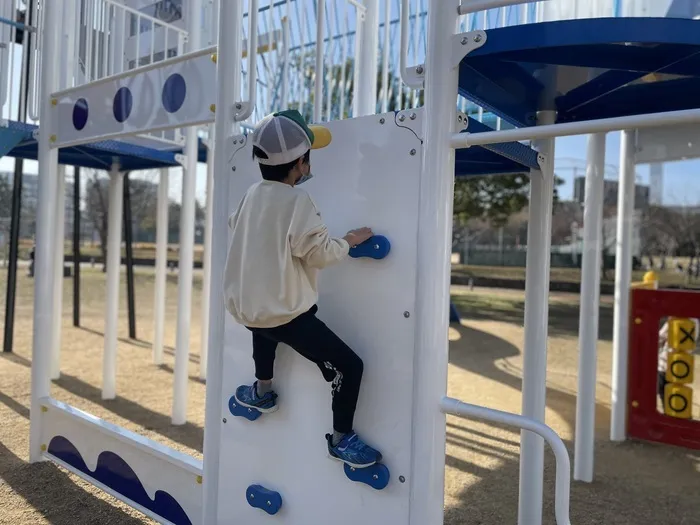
322,136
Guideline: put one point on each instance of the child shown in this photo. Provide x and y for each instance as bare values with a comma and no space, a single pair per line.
279,244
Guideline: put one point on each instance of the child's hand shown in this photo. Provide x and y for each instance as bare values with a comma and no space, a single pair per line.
358,236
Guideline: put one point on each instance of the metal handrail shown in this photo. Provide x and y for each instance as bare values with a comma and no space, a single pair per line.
562,485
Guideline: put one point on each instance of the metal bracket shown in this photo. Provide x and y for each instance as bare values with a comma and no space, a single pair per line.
240,108
465,43
181,159
238,143
411,119
462,122
543,161
415,76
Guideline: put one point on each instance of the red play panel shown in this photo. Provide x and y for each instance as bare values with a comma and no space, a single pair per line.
644,422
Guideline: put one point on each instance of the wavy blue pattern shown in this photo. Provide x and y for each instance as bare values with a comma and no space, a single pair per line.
113,472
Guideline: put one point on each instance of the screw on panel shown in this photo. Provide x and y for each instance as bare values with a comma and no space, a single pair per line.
52,138
212,108
413,152
224,420
635,404
419,70
638,320
214,58
269,503
44,409
402,118
382,120
239,105
402,479
43,448
233,168
465,40
54,102
407,315
477,38
413,116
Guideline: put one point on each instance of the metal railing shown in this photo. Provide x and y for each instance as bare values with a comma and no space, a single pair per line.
14,33
562,485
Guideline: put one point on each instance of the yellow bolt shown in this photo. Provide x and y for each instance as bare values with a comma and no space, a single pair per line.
637,320
43,448
214,57
52,138
199,480
635,404
44,409
212,108
54,102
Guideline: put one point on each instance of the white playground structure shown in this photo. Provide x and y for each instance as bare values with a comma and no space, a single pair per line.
396,320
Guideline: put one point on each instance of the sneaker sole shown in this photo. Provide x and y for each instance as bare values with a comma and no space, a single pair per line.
353,465
259,409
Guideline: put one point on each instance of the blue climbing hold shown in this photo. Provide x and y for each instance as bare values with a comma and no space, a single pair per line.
376,476
264,499
174,92
122,104
237,410
376,247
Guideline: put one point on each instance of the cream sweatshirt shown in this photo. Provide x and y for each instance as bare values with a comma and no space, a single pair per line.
279,244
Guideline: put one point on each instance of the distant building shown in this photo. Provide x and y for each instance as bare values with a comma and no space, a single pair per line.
641,192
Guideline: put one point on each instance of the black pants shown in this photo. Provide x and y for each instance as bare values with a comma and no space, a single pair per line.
311,338
661,384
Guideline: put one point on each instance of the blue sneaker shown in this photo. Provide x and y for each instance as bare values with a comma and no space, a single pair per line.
353,451
247,396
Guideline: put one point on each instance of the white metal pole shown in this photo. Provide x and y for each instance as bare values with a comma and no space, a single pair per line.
623,278
432,292
114,255
45,215
228,83
367,86
589,309
206,257
59,249
161,266
186,259
284,94
318,84
385,56
539,237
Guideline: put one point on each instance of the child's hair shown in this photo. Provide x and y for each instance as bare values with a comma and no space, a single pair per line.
280,172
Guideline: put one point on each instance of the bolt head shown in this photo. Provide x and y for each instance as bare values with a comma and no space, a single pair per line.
407,314
413,116
233,168
402,479
419,70
402,118
478,38
224,420
239,106
413,152
464,40
382,120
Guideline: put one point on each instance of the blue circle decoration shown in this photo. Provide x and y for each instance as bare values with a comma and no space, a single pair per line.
80,114
123,104
174,92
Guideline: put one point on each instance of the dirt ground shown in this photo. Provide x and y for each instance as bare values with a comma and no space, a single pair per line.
636,483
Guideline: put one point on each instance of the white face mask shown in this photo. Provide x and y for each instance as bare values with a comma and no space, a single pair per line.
304,178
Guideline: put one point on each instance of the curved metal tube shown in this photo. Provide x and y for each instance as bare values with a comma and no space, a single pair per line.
247,111
403,51
452,406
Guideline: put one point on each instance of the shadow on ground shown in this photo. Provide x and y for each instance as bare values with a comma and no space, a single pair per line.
635,484
563,316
